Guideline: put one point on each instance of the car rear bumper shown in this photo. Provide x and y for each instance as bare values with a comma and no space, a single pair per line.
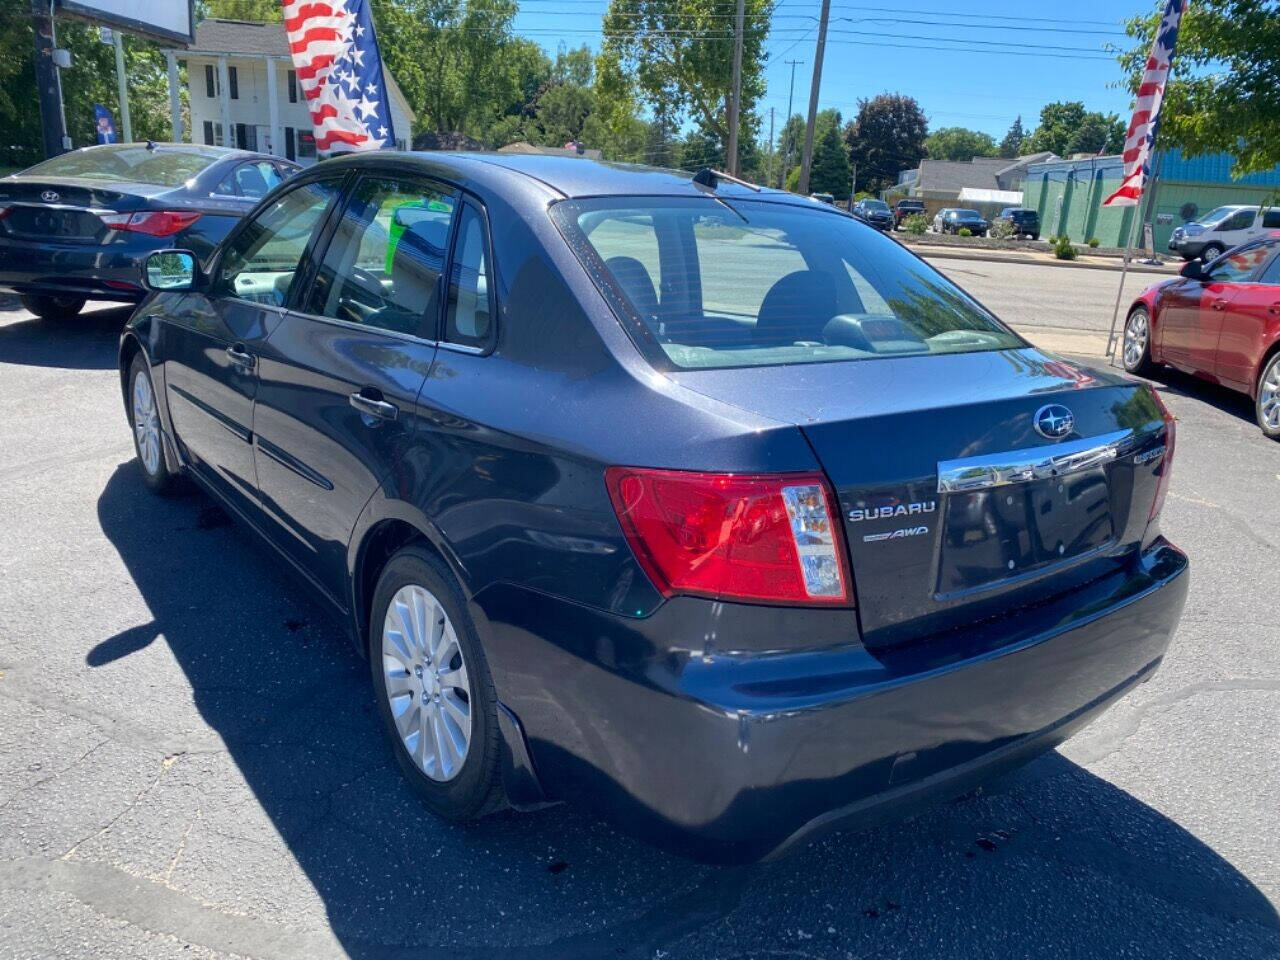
92,271
729,732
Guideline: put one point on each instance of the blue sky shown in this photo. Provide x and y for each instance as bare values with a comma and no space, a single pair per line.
1051,52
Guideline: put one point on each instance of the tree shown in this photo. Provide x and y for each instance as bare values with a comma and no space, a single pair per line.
676,56
959,143
1062,121
830,171
1011,145
240,9
886,138
1224,92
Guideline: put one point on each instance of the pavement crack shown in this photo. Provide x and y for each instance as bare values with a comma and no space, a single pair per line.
165,764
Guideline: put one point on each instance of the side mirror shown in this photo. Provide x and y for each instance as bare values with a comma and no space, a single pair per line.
1193,270
170,270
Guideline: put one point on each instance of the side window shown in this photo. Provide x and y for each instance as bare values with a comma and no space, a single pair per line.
469,319
382,268
261,261
1239,265
1271,275
1271,218
256,179
1240,220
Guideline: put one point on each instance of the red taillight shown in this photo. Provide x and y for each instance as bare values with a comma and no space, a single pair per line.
154,223
768,538
5,211
1166,462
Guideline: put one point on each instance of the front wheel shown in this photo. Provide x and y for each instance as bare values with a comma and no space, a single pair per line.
52,308
1137,342
148,437
432,686
1211,251
1268,405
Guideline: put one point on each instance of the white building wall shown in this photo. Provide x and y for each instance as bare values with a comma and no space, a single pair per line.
252,108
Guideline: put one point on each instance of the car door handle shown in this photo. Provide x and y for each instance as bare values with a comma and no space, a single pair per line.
1274,308
369,402
241,357
1220,304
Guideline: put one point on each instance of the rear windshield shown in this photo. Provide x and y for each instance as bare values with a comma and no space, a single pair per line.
707,283
136,164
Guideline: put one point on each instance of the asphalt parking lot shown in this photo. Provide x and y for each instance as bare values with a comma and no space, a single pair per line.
190,765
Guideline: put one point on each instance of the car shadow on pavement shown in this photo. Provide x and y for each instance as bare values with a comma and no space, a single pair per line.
84,342
1049,861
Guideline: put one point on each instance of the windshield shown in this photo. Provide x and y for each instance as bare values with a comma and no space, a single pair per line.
1213,216
875,205
166,167
967,215
709,284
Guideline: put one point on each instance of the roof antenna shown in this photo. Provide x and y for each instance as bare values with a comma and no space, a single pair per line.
706,177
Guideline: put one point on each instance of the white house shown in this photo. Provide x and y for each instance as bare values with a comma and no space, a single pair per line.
244,93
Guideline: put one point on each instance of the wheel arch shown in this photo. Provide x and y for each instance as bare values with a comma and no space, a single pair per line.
1267,356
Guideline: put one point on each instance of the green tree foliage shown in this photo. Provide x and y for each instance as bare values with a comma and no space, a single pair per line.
886,137
830,171
1224,94
1011,145
1066,127
790,145
240,9
676,57
959,143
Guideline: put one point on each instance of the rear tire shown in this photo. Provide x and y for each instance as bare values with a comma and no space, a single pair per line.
1267,406
1211,251
148,434
52,308
1136,344
433,689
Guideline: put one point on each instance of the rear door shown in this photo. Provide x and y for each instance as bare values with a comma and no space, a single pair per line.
1254,306
213,338
340,376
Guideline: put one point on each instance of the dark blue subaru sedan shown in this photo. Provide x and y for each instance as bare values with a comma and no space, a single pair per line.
706,505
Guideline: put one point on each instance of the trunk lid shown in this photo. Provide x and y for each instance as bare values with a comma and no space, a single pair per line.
65,209
955,507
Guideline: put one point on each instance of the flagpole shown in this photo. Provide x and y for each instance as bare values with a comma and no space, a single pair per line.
1124,272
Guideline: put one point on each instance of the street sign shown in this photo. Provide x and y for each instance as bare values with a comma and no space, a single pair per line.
168,21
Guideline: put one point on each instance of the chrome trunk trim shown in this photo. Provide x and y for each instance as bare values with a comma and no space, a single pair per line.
1035,463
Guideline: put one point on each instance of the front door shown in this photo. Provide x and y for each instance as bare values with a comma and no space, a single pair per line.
212,343
339,378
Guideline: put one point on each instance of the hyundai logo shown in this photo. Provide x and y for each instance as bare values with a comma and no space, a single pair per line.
50,196
1054,421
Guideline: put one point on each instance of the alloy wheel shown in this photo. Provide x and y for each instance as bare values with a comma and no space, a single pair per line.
146,423
425,678
1269,396
1136,334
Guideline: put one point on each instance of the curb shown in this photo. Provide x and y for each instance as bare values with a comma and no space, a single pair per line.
928,251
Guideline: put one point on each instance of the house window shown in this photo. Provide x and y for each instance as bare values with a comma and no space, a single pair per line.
208,132
210,83
306,143
233,82
246,136
293,86
290,144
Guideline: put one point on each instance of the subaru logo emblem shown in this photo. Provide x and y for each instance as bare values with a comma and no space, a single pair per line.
50,196
1054,421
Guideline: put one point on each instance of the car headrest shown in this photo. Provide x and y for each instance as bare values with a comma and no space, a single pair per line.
797,307
636,283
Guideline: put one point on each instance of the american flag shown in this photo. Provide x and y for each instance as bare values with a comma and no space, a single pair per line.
1139,142
335,54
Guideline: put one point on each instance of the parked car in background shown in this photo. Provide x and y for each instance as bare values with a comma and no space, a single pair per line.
875,212
1022,221
77,227
1221,229
807,535
1219,321
823,198
953,219
905,208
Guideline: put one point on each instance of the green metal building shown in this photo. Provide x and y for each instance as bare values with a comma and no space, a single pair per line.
1068,195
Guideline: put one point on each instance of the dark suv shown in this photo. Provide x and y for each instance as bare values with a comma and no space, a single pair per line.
1025,223
905,208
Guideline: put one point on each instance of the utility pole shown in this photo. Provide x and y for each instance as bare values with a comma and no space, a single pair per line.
786,156
807,161
48,83
126,127
853,182
734,104
769,176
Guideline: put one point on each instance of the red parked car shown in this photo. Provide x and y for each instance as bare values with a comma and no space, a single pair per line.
1219,321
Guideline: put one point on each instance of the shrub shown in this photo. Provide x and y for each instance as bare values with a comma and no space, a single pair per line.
964,232
1094,242
916,223
1001,229
1063,248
